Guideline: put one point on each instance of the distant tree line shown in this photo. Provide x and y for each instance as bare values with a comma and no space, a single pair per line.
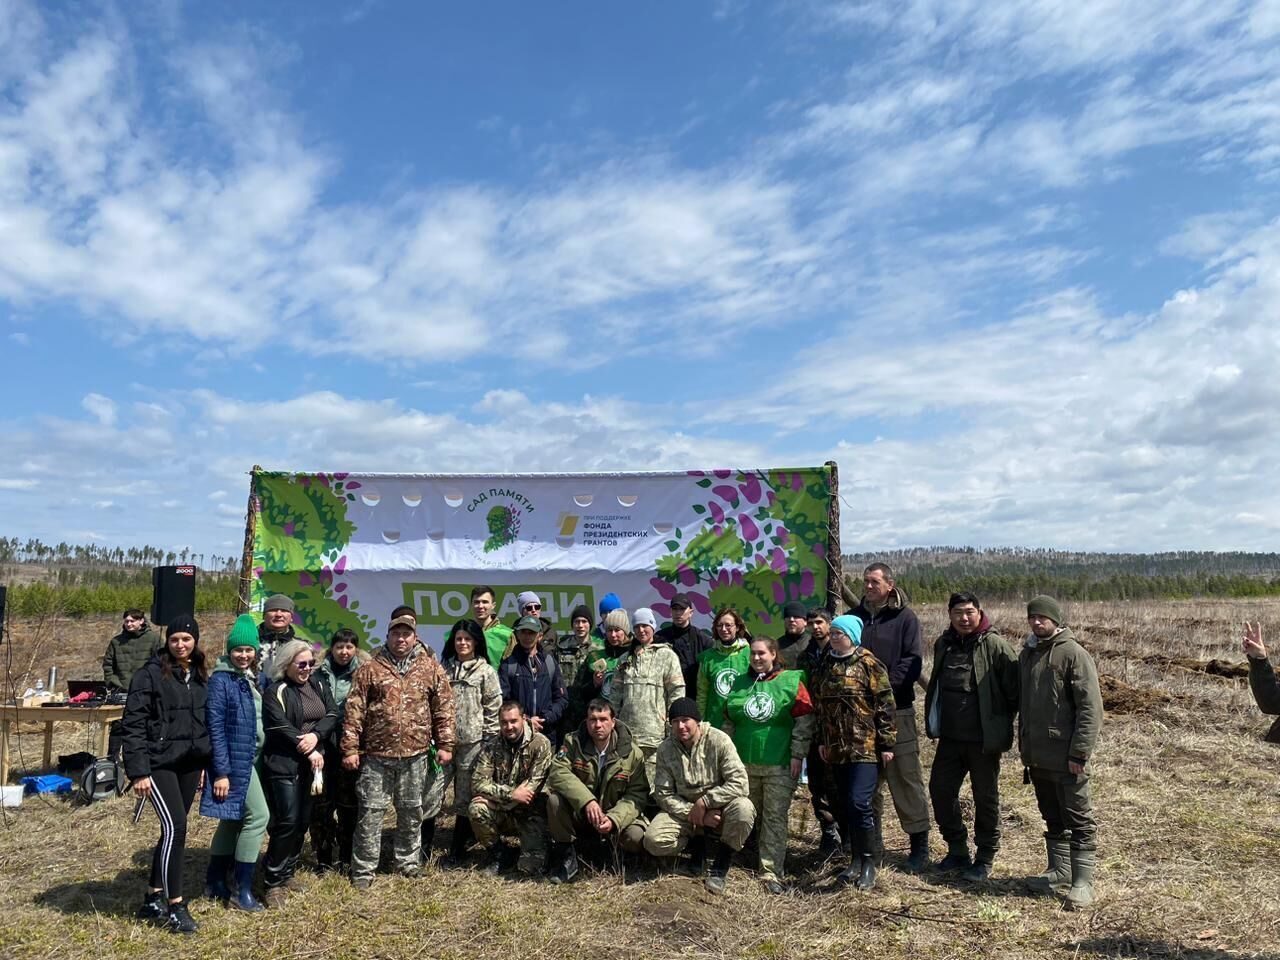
213,593
931,574
14,550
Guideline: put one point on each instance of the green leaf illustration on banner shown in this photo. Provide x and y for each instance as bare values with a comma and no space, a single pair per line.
761,542
302,530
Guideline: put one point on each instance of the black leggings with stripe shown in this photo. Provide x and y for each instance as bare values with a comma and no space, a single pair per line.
171,794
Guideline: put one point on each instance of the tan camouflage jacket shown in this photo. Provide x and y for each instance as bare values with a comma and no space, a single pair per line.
855,707
646,681
710,768
395,716
502,767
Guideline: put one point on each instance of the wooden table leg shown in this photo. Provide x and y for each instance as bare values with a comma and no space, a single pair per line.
48,746
4,752
104,729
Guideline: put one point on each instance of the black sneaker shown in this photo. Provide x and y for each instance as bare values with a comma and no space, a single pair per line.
180,918
154,909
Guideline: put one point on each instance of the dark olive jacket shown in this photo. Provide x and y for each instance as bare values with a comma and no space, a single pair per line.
995,676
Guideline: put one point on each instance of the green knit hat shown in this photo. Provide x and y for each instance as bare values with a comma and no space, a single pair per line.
1043,606
244,633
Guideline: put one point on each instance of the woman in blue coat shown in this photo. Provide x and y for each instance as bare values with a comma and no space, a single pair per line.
233,789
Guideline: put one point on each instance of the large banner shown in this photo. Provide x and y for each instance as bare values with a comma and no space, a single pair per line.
348,548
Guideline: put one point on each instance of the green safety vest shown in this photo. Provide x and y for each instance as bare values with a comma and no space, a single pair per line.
722,671
760,712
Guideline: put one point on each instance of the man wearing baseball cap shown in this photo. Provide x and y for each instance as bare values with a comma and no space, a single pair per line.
685,639
531,677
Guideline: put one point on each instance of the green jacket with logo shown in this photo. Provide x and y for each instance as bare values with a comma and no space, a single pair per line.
1061,702
621,788
718,670
770,718
995,678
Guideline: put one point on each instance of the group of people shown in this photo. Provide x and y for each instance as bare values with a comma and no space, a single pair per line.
615,740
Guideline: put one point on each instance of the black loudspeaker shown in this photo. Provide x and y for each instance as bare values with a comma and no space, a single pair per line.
173,592
3,592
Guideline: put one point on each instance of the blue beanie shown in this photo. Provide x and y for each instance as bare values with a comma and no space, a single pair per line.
608,603
850,626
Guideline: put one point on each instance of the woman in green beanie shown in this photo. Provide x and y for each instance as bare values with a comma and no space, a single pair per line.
233,789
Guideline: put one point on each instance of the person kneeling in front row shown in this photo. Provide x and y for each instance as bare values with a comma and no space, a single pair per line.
701,787
509,791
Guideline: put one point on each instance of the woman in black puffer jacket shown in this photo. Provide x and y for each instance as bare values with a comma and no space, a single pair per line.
298,715
166,746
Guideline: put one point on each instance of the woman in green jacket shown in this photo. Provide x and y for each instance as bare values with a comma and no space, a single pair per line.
770,717
720,667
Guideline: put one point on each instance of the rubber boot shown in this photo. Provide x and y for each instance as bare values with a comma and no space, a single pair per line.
428,837
830,841
215,879
918,859
722,857
1057,876
697,849
564,863
864,843
1083,863
957,857
244,898
458,843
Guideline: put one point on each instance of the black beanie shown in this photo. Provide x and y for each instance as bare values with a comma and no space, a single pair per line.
581,610
794,608
183,623
684,707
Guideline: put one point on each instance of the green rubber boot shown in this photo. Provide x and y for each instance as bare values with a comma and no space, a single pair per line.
1057,877
1083,863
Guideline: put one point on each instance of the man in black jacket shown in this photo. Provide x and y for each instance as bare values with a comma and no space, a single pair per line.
891,631
796,636
532,678
685,639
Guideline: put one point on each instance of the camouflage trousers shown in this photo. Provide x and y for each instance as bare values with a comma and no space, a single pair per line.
666,836
528,823
458,772
905,778
388,781
770,792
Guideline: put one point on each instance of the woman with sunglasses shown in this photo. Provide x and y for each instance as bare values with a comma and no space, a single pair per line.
298,714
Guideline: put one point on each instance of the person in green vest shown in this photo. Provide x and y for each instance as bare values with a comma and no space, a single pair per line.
720,667
499,639
769,715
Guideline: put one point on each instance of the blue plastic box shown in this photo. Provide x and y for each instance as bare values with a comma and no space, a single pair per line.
50,783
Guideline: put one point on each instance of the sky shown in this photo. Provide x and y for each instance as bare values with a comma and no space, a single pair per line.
1013,264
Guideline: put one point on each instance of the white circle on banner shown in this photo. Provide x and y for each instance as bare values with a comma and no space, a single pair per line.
564,542
391,536
412,498
626,501
662,529
583,499
435,535
370,496
453,497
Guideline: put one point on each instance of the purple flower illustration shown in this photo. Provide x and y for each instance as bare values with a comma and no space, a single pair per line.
305,579
717,515
779,561
723,474
751,489
665,590
749,529
726,493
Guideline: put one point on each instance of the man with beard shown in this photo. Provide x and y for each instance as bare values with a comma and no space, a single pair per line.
508,792
969,709
685,639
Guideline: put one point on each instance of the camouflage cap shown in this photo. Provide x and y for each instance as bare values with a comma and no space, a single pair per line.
529,623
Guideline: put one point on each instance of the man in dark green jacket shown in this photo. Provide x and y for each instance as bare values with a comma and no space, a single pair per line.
597,788
969,709
1059,724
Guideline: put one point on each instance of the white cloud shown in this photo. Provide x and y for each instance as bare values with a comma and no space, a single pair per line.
103,408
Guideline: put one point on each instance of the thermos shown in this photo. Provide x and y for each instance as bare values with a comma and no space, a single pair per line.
53,678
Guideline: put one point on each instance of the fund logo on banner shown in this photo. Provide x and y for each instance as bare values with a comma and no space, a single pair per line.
443,604
501,512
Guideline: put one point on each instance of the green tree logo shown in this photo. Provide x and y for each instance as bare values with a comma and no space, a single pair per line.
504,528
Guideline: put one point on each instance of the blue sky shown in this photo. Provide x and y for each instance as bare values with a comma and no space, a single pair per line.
1014,265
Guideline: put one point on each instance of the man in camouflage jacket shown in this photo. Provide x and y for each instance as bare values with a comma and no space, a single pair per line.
508,791
400,705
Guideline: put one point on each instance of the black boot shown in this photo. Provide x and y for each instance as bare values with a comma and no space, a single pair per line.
830,841
722,857
864,843
918,859
564,863
697,855
428,837
458,843
154,909
180,918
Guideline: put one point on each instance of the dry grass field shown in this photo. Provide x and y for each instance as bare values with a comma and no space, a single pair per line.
1186,791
